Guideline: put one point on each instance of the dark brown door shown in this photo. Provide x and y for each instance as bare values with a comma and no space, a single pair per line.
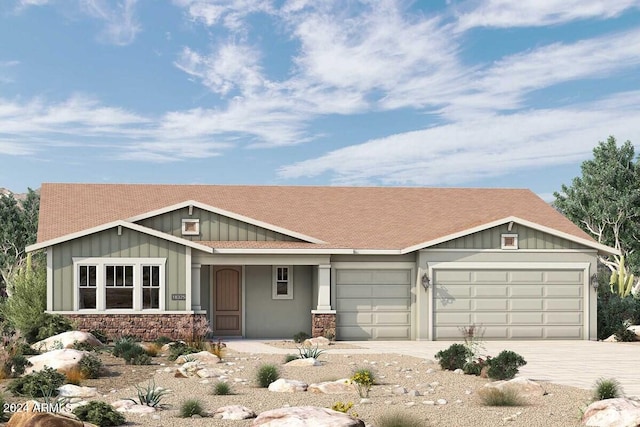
227,299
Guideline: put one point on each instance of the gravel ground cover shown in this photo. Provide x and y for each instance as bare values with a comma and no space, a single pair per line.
560,407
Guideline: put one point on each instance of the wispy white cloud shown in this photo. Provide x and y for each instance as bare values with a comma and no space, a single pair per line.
5,71
230,13
534,13
472,149
120,23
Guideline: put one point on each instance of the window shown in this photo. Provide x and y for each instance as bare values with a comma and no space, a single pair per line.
190,227
282,286
509,241
119,283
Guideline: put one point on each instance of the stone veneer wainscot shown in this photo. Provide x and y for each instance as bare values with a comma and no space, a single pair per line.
321,323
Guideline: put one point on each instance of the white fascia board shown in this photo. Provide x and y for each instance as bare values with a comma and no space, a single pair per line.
119,223
600,247
229,214
377,251
284,251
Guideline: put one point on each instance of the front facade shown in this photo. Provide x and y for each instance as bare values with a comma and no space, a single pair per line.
358,263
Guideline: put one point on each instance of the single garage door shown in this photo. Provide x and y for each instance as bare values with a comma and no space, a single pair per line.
509,304
373,304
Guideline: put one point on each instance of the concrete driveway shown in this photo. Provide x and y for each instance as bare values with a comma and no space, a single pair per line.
573,363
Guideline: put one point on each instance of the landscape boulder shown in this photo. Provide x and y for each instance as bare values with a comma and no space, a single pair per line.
523,386
619,412
305,416
340,386
309,361
317,341
234,412
70,390
61,360
202,357
287,386
44,419
66,340
130,406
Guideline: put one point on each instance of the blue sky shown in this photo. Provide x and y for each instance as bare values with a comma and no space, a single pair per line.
466,93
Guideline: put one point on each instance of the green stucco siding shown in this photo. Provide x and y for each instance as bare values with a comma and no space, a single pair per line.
528,238
108,244
213,227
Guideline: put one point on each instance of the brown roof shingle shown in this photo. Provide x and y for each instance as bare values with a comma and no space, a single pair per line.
343,217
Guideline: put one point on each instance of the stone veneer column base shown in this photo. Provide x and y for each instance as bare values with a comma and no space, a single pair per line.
323,323
146,327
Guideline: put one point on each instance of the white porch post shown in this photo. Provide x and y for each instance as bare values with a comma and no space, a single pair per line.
324,287
195,287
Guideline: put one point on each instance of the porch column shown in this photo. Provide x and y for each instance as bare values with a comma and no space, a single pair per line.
195,287
324,287
323,318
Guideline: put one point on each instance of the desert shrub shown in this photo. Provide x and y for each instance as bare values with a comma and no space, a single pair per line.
505,365
330,334
178,349
289,357
162,340
83,346
14,366
123,344
74,376
614,311
623,334
508,396
190,408
400,419
133,352
25,309
308,352
151,395
267,374
152,349
453,357
100,335
217,348
90,366
363,379
53,324
300,337
37,384
99,413
476,366
606,388
221,388
141,359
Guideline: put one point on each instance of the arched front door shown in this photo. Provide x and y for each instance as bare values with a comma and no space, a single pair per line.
227,298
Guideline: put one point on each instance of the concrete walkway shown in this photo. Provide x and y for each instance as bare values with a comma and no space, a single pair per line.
573,363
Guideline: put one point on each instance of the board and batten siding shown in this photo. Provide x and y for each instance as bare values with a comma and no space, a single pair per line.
528,238
108,244
213,227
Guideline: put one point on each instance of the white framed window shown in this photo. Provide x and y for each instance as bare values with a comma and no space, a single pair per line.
111,284
509,241
190,227
282,285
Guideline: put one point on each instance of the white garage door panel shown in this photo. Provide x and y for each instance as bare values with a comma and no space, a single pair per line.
373,304
509,303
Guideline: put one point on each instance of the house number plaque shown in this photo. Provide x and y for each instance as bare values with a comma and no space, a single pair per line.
178,297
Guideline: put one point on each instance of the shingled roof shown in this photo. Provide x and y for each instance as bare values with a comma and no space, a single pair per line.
380,218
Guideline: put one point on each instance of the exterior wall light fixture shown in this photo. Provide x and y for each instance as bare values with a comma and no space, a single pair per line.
425,281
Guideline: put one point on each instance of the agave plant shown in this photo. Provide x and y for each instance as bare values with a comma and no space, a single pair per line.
307,352
150,395
621,281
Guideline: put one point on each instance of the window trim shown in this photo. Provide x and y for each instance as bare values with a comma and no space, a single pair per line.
503,244
274,282
196,222
101,264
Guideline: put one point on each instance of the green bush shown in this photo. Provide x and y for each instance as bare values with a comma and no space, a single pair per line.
100,335
162,340
289,357
90,366
136,355
363,379
37,384
178,349
300,337
505,365
607,388
400,419
490,396
99,413
614,311
53,324
453,357
475,367
83,346
267,374
15,365
123,344
623,334
221,388
190,408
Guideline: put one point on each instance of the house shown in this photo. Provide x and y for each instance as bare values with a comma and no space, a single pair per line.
365,263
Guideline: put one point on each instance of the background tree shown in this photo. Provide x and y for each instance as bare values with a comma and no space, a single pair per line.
18,229
605,201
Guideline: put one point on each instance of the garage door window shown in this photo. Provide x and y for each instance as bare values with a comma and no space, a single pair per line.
282,287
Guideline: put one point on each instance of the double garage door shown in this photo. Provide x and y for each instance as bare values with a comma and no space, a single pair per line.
509,303
373,304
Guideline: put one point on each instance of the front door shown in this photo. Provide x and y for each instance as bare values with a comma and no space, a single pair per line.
227,312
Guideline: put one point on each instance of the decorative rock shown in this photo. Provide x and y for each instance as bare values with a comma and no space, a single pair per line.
365,401
618,412
343,385
399,390
428,402
234,412
66,340
434,384
414,393
60,360
38,419
430,371
210,373
310,361
131,407
202,357
441,401
287,386
525,387
410,403
305,416
317,341
71,391
458,371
